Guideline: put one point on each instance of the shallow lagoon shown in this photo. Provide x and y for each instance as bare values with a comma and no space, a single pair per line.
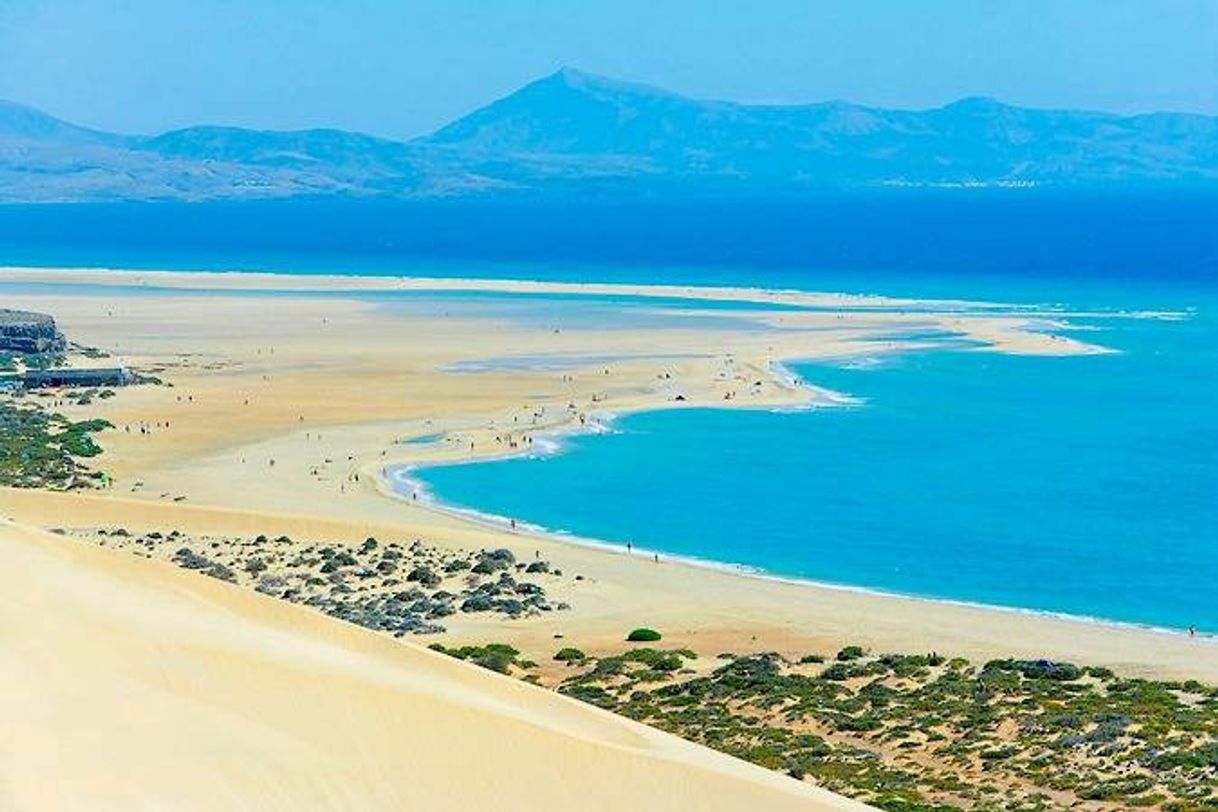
1084,485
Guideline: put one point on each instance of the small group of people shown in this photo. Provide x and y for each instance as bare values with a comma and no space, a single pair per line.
147,428
655,557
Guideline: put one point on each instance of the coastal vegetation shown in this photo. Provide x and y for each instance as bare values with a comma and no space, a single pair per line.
643,635
903,732
922,732
391,587
39,447
44,449
918,733
498,657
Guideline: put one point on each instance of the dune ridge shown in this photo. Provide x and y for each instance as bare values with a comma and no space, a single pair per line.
130,685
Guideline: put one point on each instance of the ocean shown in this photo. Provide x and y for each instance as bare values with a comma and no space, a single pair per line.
1082,485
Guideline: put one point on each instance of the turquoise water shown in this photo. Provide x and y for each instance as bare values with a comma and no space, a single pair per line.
1083,485
424,439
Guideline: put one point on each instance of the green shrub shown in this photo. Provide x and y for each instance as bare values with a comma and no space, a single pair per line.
423,575
643,635
498,657
657,660
836,672
850,653
570,655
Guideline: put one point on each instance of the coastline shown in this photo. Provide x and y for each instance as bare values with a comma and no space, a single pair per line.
493,521
348,390
1047,313
332,282
401,471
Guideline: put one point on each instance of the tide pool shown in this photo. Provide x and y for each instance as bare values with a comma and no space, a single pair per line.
1083,485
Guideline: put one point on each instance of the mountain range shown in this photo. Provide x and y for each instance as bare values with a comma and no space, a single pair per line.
576,133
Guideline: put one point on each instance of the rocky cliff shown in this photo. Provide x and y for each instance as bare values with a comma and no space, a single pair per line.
22,331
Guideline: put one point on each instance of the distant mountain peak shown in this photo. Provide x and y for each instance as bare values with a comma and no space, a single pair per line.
579,80
8,107
20,121
575,77
976,103
573,132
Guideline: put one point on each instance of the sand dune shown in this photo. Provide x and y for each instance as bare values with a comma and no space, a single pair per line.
705,609
126,684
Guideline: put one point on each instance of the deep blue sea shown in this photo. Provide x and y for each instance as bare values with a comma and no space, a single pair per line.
1084,485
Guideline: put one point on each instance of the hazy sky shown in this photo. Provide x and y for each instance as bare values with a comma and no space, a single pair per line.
403,67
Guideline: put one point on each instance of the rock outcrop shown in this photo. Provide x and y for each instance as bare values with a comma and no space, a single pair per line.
22,331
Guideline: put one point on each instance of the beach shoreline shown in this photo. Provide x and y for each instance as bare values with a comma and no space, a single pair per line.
321,391
400,472
495,521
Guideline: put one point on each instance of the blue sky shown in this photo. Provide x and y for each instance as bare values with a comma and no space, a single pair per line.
400,68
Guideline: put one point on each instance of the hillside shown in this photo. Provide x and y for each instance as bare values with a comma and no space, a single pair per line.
577,133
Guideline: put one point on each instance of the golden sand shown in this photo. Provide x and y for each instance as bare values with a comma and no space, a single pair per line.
282,412
126,684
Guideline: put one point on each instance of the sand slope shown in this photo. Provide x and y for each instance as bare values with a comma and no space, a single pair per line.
127,684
